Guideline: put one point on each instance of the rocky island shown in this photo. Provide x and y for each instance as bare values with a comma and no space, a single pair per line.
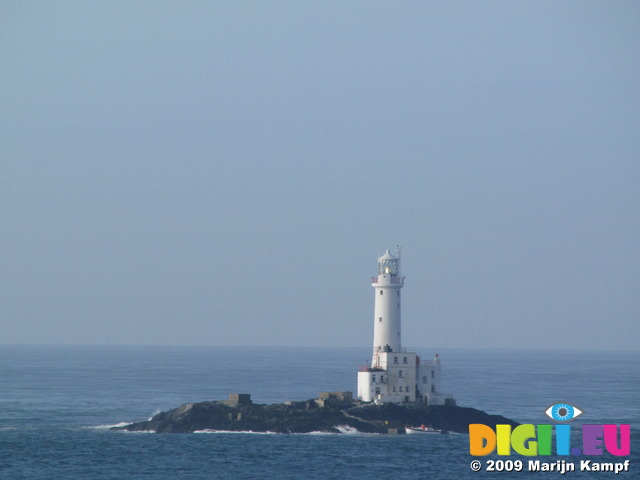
395,391
331,412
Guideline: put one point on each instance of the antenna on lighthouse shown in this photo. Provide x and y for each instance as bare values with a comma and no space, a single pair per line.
398,255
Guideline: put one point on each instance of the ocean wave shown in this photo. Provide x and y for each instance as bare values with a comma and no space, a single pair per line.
107,427
341,430
347,430
210,430
118,425
156,412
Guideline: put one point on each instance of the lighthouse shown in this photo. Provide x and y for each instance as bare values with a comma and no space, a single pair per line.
387,326
396,374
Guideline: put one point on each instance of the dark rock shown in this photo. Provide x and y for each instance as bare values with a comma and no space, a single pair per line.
446,418
304,417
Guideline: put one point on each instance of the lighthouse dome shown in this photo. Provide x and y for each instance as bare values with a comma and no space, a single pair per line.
388,264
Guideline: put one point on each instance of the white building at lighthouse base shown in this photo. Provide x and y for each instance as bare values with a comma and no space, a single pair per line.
401,377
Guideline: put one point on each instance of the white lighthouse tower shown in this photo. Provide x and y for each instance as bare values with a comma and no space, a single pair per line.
386,329
396,375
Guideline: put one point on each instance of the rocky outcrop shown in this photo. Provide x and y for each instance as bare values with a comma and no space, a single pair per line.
308,416
445,418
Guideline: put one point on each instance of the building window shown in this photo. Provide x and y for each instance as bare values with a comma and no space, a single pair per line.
381,378
379,319
381,292
398,292
407,389
373,378
377,390
433,389
394,388
424,379
395,359
433,374
400,374
404,360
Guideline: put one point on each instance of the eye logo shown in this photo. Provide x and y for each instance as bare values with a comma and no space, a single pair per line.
563,412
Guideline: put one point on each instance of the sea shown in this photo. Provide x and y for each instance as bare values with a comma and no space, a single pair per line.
57,404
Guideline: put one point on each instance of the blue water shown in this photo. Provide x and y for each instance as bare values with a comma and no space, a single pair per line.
57,402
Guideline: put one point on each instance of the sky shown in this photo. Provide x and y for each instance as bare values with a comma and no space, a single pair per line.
227,173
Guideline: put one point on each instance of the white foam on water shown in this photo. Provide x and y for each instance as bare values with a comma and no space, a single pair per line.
121,424
346,429
210,430
156,412
107,427
342,430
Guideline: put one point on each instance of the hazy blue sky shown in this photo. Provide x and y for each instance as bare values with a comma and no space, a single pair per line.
227,173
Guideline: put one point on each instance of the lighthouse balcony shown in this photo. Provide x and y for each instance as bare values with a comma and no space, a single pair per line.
388,349
390,279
